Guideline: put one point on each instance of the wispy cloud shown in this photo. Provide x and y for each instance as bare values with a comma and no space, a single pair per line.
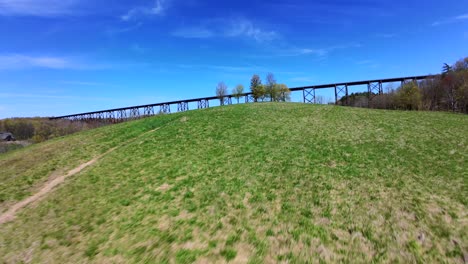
235,69
451,20
246,68
193,32
302,79
14,61
386,35
83,83
244,27
43,8
368,63
137,48
22,61
157,9
34,96
227,28
364,62
320,52
116,31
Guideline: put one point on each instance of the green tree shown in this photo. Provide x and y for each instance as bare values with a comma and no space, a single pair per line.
282,93
260,92
409,97
255,84
446,69
270,87
21,129
238,91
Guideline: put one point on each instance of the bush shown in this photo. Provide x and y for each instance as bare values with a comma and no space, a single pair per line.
409,97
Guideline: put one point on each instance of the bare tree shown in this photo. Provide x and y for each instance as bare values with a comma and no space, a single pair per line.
221,91
319,99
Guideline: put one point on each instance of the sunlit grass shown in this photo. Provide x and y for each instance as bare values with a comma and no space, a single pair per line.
250,183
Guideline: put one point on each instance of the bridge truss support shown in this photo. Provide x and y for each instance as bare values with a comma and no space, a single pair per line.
227,100
134,113
110,117
121,115
340,91
204,103
309,96
374,89
164,109
148,111
182,107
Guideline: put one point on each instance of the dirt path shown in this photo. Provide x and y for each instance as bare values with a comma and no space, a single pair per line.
10,214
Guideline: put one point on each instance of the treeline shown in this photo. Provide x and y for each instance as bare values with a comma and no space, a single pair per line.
447,91
270,91
41,129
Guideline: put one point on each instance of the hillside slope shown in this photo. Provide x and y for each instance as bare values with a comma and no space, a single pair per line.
251,183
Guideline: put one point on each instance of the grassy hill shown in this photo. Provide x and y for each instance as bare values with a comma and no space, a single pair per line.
253,183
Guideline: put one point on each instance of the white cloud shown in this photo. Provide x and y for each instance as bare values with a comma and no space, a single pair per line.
158,9
193,32
43,8
320,52
83,83
386,35
364,62
22,61
137,48
243,27
368,63
451,20
14,61
116,31
247,68
227,28
302,79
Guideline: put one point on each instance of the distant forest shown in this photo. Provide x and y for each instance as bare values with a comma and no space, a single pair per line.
447,91
39,129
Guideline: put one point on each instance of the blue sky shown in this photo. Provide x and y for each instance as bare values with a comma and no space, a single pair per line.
66,56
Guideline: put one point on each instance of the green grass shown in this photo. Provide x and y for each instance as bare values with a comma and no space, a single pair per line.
249,183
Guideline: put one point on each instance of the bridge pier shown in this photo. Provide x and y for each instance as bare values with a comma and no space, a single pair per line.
227,100
148,111
340,91
121,115
204,103
309,95
110,117
373,89
165,109
182,106
134,113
